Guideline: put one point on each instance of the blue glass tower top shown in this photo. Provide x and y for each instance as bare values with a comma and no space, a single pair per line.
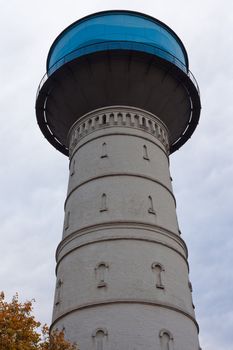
117,30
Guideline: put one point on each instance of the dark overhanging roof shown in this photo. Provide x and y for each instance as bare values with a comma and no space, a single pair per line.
183,78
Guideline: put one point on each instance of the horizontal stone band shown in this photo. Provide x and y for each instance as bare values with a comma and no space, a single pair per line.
116,133
102,227
126,301
119,175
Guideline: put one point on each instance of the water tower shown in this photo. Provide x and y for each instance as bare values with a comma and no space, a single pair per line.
118,98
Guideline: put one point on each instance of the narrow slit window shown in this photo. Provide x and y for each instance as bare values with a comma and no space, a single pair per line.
190,286
67,220
191,290
145,153
58,291
151,206
72,170
99,340
143,122
104,150
104,120
103,206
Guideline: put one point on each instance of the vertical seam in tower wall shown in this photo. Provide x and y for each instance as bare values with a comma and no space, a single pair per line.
119,174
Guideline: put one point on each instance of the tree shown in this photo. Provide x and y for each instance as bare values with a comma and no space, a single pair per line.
20,331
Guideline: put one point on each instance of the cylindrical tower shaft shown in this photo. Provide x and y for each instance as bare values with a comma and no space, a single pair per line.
118,97
122,270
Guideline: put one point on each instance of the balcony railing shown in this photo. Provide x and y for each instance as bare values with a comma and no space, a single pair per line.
118,45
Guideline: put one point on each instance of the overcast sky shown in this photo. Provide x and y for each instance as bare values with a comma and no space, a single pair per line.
34,175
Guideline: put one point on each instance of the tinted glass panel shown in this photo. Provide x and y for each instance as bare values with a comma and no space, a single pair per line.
116,31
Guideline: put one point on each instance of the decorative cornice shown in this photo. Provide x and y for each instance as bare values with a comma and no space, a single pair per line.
155,303
118,116
120,174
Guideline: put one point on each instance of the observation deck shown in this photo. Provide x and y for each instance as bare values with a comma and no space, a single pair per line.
117,58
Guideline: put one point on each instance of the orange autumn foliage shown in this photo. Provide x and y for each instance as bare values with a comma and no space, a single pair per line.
20,331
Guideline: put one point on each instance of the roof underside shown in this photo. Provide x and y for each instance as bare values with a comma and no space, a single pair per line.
118,77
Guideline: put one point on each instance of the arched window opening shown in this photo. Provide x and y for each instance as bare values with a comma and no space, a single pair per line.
143,122
151,206
145,153
104,119
103,204
166,340
99,340
101,269
104,150
99,335
136,120
158,270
